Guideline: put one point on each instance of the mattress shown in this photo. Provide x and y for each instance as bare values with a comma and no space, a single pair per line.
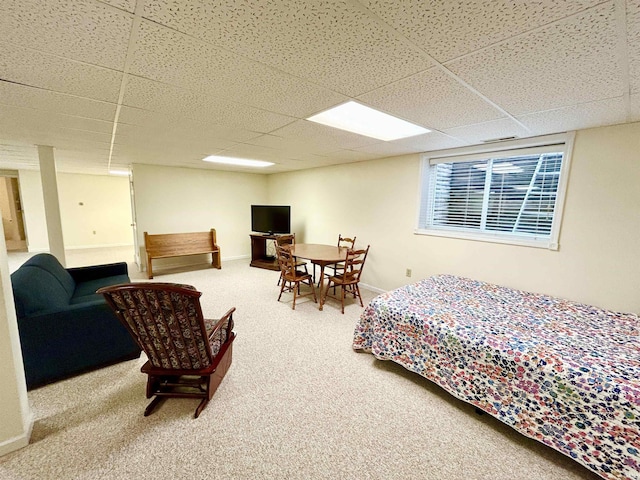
564,373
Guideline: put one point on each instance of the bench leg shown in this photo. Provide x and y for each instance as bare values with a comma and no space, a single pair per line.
215,260
149,270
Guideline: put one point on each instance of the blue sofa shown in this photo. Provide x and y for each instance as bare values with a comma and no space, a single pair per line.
65,327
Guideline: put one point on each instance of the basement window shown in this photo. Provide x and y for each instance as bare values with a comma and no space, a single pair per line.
513,194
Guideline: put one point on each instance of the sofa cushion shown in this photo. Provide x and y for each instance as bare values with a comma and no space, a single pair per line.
50,264
36,290
86,291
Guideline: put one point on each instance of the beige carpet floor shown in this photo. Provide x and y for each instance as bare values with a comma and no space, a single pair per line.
297,403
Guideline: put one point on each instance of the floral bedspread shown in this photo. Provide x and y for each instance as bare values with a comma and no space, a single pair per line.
560,372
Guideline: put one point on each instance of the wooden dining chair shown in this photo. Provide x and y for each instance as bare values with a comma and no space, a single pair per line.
337,268
291,277
286,241
349,278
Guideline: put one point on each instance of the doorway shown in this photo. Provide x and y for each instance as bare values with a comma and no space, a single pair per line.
12,214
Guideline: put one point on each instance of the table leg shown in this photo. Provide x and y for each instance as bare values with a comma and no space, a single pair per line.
320,282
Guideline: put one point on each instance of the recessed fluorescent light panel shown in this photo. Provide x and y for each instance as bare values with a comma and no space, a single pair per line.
242,162
356,118
123,173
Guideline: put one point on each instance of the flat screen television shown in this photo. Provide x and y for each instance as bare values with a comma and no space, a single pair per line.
271,219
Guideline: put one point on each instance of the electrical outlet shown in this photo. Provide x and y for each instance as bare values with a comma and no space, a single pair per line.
408,273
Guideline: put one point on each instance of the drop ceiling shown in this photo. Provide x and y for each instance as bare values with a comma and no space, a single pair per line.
116,82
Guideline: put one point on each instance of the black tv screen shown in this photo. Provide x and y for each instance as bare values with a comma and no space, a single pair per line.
271,218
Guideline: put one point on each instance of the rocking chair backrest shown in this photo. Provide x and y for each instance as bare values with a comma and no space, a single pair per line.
166,320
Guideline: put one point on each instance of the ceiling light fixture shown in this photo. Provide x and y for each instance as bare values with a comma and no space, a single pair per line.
356,118
242,162
122,173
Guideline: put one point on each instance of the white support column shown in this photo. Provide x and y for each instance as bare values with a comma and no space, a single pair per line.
51,202
16,418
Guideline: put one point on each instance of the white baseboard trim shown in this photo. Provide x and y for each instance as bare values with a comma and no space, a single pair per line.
107,245
18,442
82,247
171,262
372,288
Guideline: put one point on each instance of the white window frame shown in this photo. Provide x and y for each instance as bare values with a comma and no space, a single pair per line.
563,142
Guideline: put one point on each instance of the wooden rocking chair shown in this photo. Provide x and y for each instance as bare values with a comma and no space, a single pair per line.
188,355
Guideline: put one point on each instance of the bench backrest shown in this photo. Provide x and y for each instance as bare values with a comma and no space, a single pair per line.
168,244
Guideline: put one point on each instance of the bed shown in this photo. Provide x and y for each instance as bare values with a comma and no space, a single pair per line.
561,372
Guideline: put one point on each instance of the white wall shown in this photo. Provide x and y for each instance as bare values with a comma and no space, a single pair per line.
16,418
179,200
598,261
95,210
105,210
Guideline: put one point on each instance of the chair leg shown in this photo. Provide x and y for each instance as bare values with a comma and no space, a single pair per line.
342,291
296,290
154,403
282,288
357,292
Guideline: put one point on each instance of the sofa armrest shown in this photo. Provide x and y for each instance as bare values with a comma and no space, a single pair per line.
93,272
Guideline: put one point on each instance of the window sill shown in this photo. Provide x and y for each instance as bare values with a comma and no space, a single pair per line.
479,237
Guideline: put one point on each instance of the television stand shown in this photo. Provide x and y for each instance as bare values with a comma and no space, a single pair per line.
259,257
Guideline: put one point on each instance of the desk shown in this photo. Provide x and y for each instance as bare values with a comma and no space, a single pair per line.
322,255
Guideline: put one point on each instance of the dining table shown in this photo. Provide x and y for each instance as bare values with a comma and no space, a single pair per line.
321,255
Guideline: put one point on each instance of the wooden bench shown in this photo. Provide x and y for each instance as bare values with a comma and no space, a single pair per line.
178,244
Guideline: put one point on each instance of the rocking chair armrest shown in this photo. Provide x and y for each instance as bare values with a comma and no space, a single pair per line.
218,326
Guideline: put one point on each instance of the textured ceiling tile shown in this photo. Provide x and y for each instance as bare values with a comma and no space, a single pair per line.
577,117
170,100
449,29
20,95
34,68
634,108
168,136
633,43
189,128
173,57
420,143
331,43
432,99
481,132
321,136
127,5
79,29
42,119
573,61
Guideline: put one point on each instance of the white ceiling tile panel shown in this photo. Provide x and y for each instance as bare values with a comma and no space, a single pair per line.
34,68
576,117
320,136
291,144
188,128
166,137
172,57
573,61
29,97
127,5
633,43
83,30
331,43
449,29
481,132
163,98
432,99
429,141
634,108
43,119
